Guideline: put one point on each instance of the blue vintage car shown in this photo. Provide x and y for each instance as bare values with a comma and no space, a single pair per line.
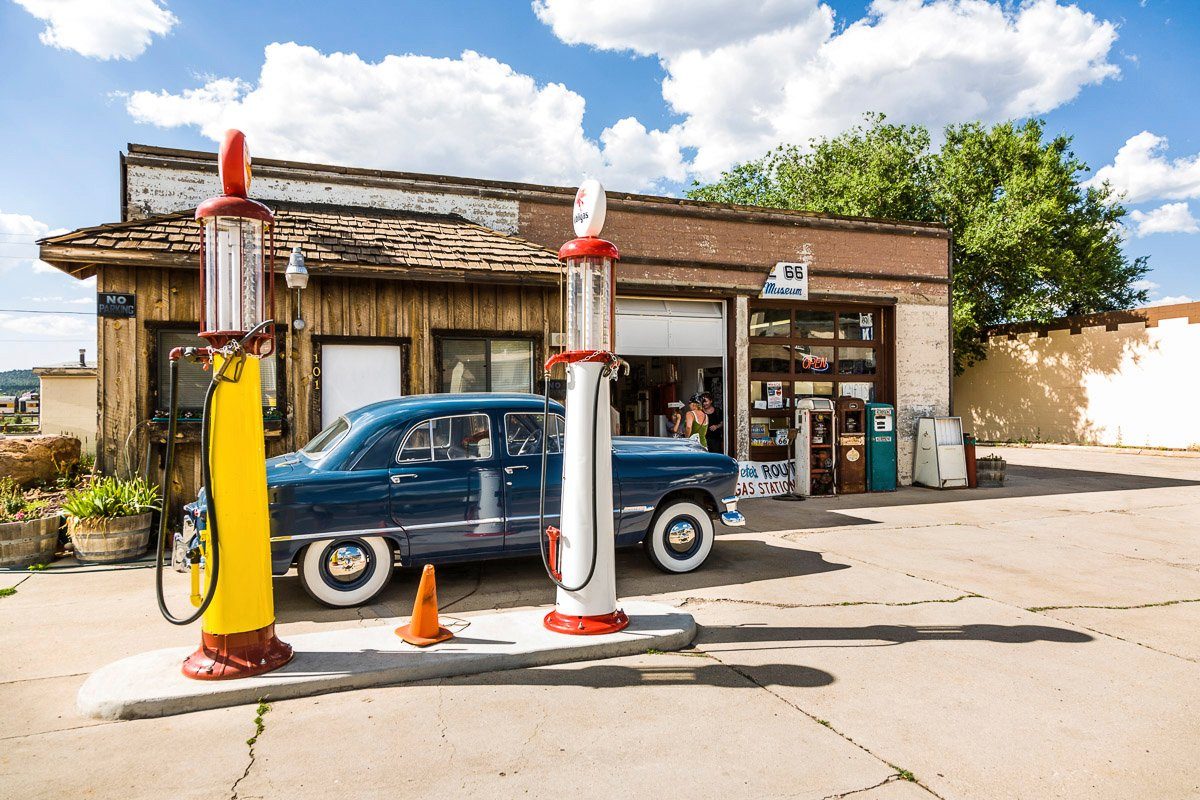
446,478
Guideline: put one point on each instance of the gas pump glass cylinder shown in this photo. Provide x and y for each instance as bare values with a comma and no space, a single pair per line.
589,303
235,299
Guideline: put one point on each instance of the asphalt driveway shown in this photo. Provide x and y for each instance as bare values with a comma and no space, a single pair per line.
1036,641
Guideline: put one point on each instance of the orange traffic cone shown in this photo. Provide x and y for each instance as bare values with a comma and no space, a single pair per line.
423,629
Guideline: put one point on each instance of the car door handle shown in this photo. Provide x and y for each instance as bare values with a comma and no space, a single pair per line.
402,476
511,470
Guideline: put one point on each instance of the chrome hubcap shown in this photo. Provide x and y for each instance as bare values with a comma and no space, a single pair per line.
681,536
347,563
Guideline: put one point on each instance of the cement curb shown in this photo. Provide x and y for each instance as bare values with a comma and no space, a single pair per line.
1093,448
151,685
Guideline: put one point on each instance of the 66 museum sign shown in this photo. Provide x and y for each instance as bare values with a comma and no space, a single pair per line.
787,280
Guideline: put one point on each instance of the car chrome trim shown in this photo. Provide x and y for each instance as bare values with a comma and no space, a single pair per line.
456,523
307,537
733,519
636,509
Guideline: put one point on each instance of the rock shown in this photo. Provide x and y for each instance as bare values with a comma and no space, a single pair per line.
32,460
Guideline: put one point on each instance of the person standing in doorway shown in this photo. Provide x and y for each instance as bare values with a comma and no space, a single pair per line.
715,437
695,424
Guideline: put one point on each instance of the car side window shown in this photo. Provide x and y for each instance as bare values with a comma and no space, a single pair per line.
416,446
523,434
464,438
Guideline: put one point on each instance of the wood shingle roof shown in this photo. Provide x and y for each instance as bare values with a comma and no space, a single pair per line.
334,239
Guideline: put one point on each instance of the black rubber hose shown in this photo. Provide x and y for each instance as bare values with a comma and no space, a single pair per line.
214,557
542,489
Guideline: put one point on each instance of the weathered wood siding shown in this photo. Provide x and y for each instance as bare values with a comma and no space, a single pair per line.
332,306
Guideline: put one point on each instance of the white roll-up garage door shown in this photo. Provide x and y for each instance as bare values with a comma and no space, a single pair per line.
658,327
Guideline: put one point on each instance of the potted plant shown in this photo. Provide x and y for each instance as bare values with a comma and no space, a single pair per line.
990,470
109,520
28,534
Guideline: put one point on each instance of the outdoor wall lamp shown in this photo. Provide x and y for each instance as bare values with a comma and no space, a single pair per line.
296,276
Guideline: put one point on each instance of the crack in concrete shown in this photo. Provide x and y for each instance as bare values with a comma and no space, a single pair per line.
1013,605
259,727
745,675
703,600
887,780
1037,609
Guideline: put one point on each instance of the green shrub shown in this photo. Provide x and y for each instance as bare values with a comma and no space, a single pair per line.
14,506
108,498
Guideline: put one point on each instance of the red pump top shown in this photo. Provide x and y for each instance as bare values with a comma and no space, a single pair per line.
588,246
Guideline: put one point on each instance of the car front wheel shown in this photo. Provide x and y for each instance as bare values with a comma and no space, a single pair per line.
345,572
680,538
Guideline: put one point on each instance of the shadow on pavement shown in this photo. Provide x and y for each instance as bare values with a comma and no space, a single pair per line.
882,635
522,581
765,514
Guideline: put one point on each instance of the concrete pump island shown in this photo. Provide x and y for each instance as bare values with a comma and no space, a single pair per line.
240,658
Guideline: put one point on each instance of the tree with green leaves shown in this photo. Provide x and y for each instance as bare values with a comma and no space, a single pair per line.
1030,242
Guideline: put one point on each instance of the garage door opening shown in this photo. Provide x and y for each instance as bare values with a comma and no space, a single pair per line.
675,349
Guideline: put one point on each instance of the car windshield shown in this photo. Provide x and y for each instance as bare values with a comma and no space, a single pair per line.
324,441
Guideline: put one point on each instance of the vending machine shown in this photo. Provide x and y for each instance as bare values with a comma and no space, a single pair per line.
881,448
815,437
940,460
851,445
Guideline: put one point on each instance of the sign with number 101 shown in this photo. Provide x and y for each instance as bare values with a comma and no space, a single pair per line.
788,279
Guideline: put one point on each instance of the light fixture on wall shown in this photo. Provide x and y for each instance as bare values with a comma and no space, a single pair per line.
296,276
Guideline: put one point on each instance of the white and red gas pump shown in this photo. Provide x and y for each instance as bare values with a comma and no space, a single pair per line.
580,553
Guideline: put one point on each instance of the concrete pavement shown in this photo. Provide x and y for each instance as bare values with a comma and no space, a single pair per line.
1036,641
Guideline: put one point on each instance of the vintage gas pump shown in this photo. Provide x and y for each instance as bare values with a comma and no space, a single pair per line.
236,294
579,555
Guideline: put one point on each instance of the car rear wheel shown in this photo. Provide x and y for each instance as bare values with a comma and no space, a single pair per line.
680,538
347,571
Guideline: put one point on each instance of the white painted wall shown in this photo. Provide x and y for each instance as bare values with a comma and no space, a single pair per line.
1131,387
922,374
165,190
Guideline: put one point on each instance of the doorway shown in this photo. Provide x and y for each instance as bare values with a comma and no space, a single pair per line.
675,349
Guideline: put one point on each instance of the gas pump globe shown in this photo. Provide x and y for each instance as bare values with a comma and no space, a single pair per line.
589,289
237,274
580,559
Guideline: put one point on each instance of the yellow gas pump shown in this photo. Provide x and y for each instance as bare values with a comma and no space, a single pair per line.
236,284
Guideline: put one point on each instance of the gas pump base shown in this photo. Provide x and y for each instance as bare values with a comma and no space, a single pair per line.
586,626
151,685
237,655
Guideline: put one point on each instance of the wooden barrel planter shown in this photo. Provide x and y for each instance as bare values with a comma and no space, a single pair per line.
28,542
990,471
106,541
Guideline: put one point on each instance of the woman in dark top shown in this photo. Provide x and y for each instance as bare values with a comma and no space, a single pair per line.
714,423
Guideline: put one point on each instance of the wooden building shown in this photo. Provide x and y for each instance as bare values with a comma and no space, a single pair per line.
427,283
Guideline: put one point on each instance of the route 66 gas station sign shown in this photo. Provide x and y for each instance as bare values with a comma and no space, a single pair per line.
788,280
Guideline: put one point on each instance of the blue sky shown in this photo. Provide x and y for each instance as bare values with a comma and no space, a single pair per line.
637,92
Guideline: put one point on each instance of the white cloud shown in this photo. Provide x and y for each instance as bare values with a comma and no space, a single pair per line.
1142,171
472,116
1144,284
1167,218
103,29
60,299
18,250
50,325
1171,300
746,78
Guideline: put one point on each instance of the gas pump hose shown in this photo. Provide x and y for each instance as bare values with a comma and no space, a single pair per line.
214,551
542,488
232,351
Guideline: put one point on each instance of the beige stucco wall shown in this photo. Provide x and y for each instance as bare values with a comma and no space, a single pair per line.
69,407
1124,387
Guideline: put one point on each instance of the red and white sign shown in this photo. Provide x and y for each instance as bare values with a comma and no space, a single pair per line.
233,164
590,206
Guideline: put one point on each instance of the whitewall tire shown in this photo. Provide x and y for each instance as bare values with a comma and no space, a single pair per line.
346,571
680,538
